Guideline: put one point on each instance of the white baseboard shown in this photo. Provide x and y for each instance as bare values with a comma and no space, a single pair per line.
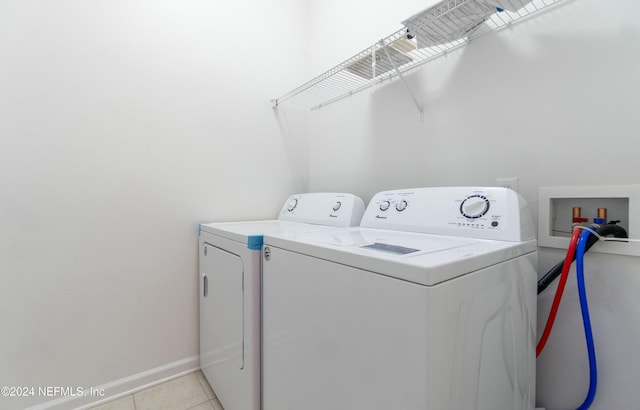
122,387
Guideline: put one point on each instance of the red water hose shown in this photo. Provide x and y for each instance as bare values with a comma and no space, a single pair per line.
561,284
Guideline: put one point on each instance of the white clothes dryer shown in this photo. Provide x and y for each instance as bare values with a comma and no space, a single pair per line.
230,289
429,304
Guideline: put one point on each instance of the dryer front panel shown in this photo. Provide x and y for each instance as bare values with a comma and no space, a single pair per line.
221,318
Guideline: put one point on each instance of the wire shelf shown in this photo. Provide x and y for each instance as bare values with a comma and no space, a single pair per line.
425,36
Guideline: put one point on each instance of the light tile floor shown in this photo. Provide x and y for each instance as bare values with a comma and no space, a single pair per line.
189,392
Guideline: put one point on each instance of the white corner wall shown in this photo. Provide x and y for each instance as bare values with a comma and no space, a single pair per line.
123,125
552,100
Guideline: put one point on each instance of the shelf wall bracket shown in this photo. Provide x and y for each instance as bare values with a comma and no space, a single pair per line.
406,86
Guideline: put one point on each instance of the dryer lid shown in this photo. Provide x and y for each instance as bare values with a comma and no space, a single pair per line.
251,232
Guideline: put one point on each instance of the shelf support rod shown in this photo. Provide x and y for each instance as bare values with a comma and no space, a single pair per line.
373,64
413,97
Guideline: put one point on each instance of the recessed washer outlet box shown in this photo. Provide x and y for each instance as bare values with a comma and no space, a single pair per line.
555,214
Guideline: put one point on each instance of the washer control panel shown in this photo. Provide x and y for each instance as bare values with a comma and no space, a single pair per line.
477,212
323,208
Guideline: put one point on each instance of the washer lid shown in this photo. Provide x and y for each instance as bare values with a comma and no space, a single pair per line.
421,258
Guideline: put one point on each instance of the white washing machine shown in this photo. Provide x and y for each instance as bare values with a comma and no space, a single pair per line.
230,293
429,304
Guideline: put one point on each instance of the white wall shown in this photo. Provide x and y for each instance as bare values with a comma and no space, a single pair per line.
124,124
552,100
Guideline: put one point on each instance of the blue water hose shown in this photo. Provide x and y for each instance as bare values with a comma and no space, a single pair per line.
582,293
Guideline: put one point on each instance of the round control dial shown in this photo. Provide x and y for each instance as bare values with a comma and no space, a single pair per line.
337,205
291,205
474,206
401,205
384,205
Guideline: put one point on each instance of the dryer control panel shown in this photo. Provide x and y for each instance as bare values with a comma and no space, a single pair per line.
323,208
473,212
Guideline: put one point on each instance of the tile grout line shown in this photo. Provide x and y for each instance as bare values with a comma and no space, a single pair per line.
203,389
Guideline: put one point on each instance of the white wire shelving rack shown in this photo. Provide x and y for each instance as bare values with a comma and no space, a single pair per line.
427,35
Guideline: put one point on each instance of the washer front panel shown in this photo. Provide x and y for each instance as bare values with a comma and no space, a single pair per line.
335,336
